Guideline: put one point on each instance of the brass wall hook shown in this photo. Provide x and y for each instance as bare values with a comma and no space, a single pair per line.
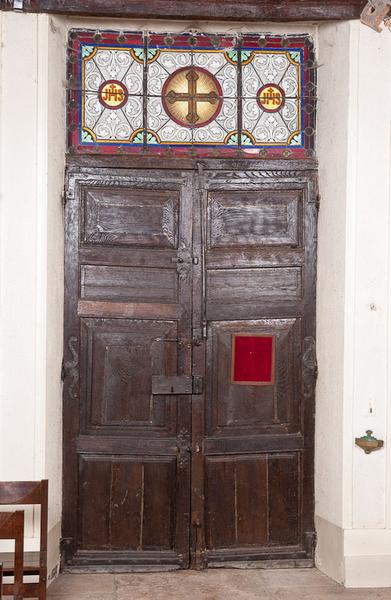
369,443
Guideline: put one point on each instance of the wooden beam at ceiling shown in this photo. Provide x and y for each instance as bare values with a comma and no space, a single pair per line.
223,10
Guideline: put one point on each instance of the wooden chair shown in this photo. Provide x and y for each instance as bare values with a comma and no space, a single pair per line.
35,563
12,528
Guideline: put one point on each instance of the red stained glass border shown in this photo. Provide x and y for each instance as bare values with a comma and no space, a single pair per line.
243,373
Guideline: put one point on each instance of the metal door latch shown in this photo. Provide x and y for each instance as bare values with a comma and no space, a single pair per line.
179,385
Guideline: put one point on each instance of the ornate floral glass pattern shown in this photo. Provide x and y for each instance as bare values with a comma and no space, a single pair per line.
197,94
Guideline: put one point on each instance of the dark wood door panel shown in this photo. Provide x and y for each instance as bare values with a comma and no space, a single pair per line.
142,218
128,312
181,282
243,286
236,510
129,284
259,250
255,257
266,217
121,257
127,503
253,501
241,410
248,293
119,357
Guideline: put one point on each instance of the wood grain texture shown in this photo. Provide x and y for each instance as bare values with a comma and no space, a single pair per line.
140,218
264,218
129,284
255,433
132,506
128,310
246,10
143,311
237,510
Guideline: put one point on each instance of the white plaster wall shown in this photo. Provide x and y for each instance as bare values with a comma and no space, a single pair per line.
32,126
353,490
332,148
369,515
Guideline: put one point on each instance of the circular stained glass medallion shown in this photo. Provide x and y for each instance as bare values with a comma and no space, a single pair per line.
192,97
271,98
113,94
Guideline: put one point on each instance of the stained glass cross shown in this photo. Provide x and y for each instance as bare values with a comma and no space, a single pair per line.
192,97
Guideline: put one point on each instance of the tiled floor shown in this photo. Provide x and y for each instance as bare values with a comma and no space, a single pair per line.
217,584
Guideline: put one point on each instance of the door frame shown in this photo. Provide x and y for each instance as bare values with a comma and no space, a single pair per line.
239,10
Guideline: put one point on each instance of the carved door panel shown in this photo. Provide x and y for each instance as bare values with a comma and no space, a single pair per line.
254,481
128,317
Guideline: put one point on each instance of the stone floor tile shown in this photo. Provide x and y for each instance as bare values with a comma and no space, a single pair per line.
83,596
191,585
81,585
213,584
288,578
203,592
325,593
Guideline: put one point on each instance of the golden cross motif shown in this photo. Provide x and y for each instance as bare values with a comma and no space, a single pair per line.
192,97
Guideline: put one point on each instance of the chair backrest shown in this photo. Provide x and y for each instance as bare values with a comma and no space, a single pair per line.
23,492
12,528
28,493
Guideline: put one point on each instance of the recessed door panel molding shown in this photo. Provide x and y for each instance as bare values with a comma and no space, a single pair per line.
250,408
189,408
141,218
255,218
129,284
119,359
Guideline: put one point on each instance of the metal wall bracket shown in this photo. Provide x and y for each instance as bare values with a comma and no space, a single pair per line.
375,13
369,443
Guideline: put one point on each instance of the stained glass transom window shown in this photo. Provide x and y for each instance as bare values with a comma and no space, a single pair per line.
191,94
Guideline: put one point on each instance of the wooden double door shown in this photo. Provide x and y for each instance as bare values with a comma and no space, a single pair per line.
189,368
